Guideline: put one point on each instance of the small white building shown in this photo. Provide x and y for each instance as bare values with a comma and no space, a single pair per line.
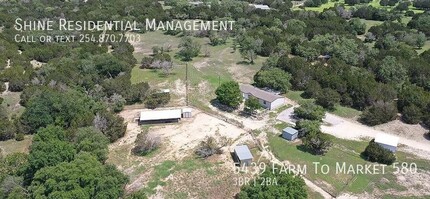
243,155
386,141
160,116
260,6
267,99
187,113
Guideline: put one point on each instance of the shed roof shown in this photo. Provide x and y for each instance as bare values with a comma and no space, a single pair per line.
258,93
290,130
261,6
383,138
243,152
160,114
187,110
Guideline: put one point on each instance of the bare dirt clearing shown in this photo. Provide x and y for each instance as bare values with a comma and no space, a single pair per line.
178,144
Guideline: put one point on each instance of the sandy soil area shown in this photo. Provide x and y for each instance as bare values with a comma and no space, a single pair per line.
178,141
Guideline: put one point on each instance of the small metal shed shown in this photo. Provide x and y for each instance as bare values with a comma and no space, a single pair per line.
243,155
290,133
186,113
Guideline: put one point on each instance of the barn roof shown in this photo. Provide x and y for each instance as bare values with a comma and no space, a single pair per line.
243,152
160,114
260,6
290,131
258,93
383,138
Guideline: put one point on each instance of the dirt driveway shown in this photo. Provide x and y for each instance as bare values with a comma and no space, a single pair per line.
352,130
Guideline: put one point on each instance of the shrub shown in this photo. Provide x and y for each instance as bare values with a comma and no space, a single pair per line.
312,89
146,143
157,99
307,126
310,111
210,146
229,94
252,104
328,98
375,153
379,113
19,137
411,114
318,143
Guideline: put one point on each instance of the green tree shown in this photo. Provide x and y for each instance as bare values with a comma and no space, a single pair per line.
157,100
310,111
84,177
375,153
229,94
273,78
318,143
357,26
328,98
288,186
252,104
295,26
188,48
49,148
379,113
306,127
111,125
313,89
248,48
66,109
391,71
412,114
93,141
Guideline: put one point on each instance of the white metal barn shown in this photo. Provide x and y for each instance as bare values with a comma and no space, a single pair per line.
160,116
387,141
267,99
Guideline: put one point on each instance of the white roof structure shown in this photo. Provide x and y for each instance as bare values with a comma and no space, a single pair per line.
386,139
258,93
187,110
243,152
290,130
160,114
260,6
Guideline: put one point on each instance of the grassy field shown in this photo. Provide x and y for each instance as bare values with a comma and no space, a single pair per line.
341,111
425,47
343,151
374,3
11,103
12,146
204,73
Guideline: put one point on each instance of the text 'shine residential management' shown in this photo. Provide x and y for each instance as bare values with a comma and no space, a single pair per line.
149,25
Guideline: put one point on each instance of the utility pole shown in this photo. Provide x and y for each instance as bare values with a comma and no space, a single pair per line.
186,83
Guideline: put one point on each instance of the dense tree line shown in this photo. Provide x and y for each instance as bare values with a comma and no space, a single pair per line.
69,100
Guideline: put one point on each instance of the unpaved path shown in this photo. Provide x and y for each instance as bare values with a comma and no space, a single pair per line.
351,130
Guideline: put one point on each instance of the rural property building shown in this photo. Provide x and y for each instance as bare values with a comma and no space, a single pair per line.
160,116
243,155
290,133
267,99
387,141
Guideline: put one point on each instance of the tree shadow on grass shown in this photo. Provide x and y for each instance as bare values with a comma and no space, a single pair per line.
244,63
304,149
220,106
